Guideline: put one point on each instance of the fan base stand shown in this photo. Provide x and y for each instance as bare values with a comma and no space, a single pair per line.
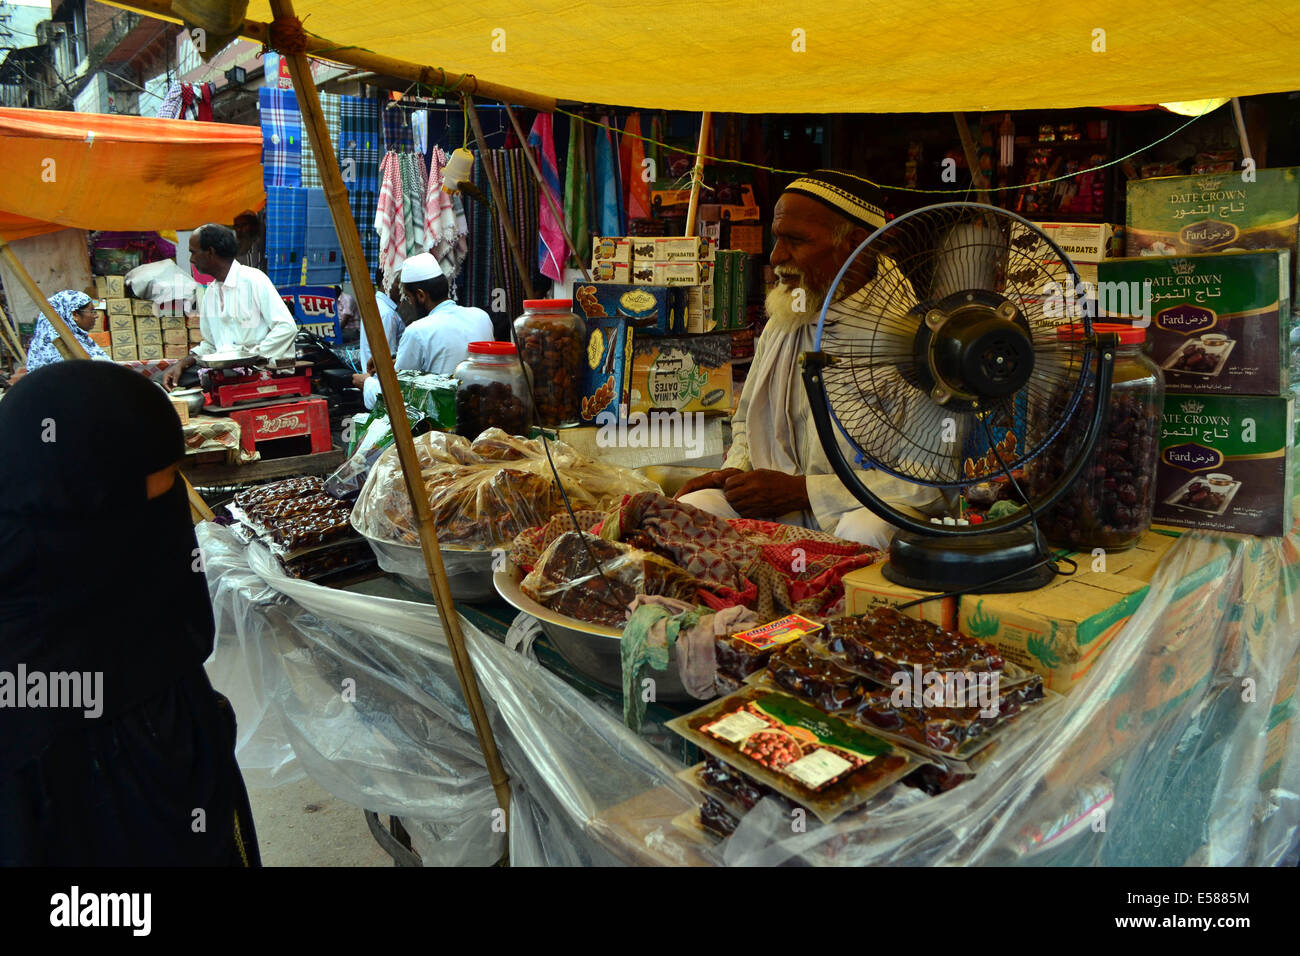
998,563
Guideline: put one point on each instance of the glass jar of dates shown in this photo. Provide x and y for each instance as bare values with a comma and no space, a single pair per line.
492,392
1109,503
552,340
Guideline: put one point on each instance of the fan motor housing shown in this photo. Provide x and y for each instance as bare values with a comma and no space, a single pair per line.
976,347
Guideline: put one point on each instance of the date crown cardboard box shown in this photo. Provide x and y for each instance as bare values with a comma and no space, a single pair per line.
1224,463
868,587
1219,212
1220,323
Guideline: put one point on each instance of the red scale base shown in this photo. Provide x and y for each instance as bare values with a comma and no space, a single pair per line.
285,420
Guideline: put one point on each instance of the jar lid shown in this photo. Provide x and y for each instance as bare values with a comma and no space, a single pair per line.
1128,334
492,348
548,305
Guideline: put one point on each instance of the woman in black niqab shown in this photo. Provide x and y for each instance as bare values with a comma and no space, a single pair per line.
101,581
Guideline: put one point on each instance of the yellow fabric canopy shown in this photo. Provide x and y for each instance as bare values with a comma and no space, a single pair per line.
875,56
94,171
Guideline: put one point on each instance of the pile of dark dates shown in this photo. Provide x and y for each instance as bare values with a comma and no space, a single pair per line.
554,352
494,405
1109,503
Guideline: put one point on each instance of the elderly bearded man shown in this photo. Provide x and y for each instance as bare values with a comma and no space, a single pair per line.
777,469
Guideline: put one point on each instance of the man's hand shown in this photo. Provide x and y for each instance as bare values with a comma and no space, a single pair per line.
19,372
766,494
172,376
370,366
359,379
710,479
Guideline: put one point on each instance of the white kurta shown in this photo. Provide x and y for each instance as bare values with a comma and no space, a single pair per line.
244,313
438,342
393,328
773,429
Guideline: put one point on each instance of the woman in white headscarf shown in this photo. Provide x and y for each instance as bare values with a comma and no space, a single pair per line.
76,309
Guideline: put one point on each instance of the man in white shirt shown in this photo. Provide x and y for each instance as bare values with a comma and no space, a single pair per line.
777,469
393,328
241,311
439,341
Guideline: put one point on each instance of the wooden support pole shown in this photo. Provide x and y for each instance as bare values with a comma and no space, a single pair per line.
350,241
499,200
972,157
324,49
69,347
12,339
545,187
697,173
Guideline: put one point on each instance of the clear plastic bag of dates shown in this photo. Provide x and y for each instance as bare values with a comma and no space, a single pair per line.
483,493
552,340
1109,504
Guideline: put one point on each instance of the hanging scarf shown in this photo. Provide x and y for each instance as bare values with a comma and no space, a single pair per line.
553,250
638,188
575,188
41,351
606,177
389,218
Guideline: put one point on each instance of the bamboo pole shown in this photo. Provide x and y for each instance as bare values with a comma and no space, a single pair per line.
499,200
69,347
697,173
972,157
1240,122
323,49
12,339
350,240
545,187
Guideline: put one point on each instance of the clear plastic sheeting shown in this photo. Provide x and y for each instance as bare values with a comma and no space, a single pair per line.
1178,747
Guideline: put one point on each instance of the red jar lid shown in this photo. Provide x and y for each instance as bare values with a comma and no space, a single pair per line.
1128,334
492,348
548,305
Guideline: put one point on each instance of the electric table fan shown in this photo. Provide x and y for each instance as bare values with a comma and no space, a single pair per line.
941,328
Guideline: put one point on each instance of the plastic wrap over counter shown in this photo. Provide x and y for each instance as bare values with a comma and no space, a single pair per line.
1178,747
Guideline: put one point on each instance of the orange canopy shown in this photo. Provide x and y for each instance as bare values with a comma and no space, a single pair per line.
95,171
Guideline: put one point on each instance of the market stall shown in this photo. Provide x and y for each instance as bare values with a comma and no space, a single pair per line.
125,174
1170,699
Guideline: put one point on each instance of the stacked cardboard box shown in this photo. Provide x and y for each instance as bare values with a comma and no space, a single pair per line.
1085,243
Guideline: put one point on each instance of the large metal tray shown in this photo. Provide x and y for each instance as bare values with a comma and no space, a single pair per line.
593,649
469,572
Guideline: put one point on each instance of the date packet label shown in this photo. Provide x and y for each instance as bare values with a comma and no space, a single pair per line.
782,631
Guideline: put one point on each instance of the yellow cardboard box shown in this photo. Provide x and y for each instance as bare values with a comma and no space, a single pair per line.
175,337
868,587
147,323
118,306
195,336
114,287
121,323
191,321
123,337
124,353
172,322
1058,631
175,351
142,307
150,352
148,338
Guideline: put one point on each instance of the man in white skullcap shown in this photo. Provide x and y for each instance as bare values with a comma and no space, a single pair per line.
439,341
776,468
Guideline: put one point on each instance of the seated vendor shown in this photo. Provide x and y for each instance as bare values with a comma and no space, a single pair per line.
78,311
242,311
439,341
777,469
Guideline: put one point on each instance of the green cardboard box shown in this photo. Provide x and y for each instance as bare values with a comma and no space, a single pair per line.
1220,212
1220,323
1225,463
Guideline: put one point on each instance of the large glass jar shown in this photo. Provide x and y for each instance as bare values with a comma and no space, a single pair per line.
493,392
1109,503
552,340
